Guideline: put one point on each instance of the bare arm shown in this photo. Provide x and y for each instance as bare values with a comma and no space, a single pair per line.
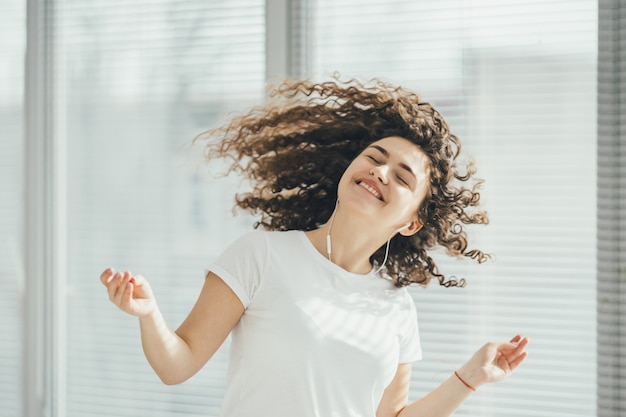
493,362
396,395
176,356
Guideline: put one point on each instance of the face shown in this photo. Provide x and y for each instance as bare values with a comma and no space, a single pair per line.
387,182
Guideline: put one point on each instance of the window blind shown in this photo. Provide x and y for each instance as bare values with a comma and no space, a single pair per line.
516,81
611,209
12,45
138,81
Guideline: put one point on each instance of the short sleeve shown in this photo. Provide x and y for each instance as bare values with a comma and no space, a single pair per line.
410,345
241,265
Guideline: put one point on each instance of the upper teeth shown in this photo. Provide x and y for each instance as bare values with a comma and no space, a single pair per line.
370,189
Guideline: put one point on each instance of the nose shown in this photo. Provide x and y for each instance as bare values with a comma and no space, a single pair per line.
380,172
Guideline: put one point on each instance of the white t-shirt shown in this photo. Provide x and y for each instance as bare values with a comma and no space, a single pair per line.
315,340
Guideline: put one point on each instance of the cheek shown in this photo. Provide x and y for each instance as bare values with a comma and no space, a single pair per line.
343,180
343,183
411,201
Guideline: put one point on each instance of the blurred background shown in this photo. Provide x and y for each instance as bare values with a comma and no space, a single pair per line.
99,103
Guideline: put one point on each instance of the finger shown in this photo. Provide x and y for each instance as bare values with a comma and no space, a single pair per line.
516,338
511,347
121,288
515,355
503,363
113,284
106,276
138,280
141,287
515,363
127,296
121,291
521,346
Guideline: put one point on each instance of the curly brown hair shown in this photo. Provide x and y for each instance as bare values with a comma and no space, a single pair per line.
295,149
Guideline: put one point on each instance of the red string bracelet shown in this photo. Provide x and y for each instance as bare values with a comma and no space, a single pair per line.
464,383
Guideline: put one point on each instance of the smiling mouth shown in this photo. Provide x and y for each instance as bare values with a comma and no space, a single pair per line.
370,189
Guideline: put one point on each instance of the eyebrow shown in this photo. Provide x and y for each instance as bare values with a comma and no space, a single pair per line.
402,165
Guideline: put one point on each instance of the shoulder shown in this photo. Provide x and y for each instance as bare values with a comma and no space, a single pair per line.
408,302
254,239
261,242
274,239
246,250
403,300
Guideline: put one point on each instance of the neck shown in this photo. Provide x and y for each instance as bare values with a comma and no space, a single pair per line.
346,242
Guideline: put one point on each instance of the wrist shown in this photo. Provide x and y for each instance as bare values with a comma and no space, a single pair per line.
153,314
462,381
470,377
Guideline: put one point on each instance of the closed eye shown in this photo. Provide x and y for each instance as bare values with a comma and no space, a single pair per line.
373,159
402,180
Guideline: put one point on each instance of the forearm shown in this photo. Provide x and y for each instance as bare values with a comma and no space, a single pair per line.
443,401
168,354
491,363
176,356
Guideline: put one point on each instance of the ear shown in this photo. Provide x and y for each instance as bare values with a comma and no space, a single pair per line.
411,228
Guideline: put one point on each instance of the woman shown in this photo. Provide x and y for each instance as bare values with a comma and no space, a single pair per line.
353,183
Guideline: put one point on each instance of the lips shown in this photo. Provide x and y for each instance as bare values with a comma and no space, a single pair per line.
371,187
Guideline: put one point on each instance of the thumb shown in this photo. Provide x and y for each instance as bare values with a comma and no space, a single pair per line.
141,286
138,280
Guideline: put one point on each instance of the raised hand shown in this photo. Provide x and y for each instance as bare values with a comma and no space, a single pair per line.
494,361
131,293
